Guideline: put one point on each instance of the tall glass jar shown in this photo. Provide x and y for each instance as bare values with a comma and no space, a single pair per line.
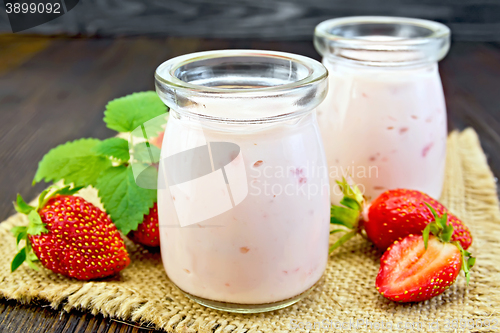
383,122
243,197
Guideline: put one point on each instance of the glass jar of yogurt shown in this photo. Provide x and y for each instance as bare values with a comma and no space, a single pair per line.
383,122
243,193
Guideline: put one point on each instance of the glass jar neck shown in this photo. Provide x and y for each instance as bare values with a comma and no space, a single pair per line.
382,41
335,63
294,122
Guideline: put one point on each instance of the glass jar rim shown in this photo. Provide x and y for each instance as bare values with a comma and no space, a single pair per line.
194,99
399,51
165,73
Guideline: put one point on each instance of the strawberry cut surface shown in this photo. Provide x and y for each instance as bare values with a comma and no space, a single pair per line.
410,273
81,241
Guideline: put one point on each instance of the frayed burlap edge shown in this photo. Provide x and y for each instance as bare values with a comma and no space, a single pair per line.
470,192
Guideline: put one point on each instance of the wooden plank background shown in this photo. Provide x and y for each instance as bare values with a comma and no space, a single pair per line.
469,20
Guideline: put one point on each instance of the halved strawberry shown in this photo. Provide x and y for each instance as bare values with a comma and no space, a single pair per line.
392,216
421,267
409,273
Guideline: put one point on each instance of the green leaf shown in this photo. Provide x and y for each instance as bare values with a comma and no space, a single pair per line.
443,220
67,190
21,206
344,216
467,261
447,233
146,175
113,147
337,230
32,265
17,230
433,211
425,235
435,230
146,153
18,259
124,201
471,262
74,162
126,113
350,203
36,226
351,191
41,198
20,236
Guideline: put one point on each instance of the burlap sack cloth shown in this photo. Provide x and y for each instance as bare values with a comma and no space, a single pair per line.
143,293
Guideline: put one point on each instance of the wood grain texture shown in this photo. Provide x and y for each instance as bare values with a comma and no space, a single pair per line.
58,93
470,20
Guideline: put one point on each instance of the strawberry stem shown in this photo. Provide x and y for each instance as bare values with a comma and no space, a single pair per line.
347,215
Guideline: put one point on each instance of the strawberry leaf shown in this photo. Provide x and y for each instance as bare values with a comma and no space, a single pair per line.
22,235
113,147
447,233
35,226
146,153
74,162
17,230
443,220
425,234
41,198
21,206
67,190
126,113
18,259
124,201
344,216
467,261
31,264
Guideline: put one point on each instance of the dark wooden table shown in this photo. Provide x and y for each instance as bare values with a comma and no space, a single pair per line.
54,89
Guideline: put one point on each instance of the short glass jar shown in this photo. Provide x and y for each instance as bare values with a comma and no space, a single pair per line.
383,122
243,196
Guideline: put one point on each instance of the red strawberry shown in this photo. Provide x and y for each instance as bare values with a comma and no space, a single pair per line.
70,236
409,273
147,232
394,215
419,268
397,213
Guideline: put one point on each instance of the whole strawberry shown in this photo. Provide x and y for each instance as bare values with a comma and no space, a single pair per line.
398,213
423,266
147,232
69,236
392,216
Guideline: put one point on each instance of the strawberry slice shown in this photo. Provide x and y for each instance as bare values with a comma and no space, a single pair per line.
421,267
409,273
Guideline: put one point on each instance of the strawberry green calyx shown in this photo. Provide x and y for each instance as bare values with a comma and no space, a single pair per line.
35,224
444,231
349,214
